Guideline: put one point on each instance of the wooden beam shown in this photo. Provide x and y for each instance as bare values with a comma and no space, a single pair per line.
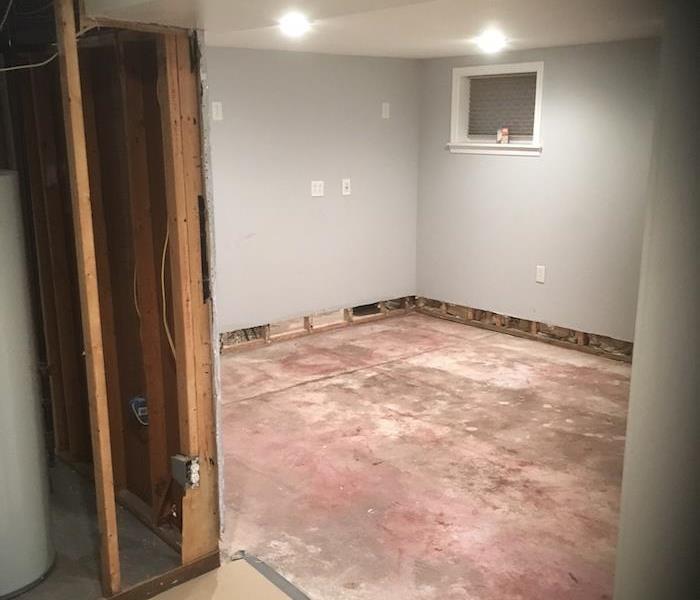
109,339
60,264
107,22
43,253
176,194
174,577
147,269
205,507
89,294
199,505
201,525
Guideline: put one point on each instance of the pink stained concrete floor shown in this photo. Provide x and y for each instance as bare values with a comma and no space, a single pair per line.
414,458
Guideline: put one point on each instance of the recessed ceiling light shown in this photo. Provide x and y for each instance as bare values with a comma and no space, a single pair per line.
491,41
294,24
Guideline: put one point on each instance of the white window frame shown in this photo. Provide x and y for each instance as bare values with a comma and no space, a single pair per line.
460,141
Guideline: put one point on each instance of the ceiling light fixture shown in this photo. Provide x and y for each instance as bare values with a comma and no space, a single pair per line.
491,41
294,24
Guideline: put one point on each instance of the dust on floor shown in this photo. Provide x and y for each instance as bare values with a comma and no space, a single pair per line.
415,458
75,574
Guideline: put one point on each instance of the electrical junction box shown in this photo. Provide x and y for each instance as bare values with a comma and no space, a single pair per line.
185,470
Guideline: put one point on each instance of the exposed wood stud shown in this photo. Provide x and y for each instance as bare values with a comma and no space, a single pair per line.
106,22
61,275
43,253
169,98
114,395
308,323
470,314
382,307
204,516
347,315
502,323
89,295
179,100
147,267
290,335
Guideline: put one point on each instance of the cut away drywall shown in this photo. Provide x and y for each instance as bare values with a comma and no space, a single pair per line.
486,222
288,119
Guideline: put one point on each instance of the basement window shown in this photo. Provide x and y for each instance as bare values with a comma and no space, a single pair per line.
496,109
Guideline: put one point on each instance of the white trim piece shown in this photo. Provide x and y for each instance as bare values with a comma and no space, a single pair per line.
459,140
494,148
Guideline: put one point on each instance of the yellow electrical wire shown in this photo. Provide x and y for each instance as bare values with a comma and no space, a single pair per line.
162,289
136,293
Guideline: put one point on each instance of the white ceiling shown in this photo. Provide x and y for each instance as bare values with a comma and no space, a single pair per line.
405,28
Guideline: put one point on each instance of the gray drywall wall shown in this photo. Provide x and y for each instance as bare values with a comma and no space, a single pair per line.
659,543
485,222
289,118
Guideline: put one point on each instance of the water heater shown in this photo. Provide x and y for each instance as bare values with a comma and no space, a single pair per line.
26,553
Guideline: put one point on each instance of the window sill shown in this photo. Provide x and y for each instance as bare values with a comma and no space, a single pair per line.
512,149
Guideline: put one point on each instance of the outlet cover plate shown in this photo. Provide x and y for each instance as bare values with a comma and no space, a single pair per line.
540,274
317,189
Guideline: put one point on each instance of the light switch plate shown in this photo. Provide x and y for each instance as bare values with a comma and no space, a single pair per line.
540,274
386,110
346,187
217,111
317,189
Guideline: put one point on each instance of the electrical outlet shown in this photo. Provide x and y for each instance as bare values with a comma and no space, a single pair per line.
346,187
217,111
540,274
185,470
317,189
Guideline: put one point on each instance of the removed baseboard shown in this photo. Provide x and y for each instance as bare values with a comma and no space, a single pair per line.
261,335
534,330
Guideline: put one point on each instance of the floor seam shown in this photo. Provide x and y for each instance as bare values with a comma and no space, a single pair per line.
341,373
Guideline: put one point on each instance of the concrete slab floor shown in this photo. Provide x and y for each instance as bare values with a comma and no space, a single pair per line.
75,574
416,458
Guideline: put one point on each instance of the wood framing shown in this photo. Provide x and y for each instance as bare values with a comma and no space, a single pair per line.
43,254
558,336
201,525
386,309
179,101
535,330
89,293
161,583
105,284
147,287
78,446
